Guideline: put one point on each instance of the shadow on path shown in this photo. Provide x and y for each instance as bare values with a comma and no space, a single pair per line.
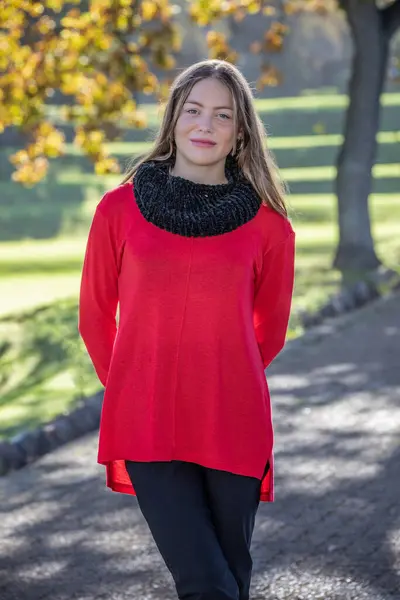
333,532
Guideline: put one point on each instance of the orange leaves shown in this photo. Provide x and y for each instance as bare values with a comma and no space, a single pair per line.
270,77
256,47
274,37
219,47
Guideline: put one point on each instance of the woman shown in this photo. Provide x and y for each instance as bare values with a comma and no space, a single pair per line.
196,248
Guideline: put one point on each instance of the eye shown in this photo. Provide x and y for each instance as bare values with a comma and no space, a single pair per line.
224,116
191,111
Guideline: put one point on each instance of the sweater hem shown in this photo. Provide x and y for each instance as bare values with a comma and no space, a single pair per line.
118,486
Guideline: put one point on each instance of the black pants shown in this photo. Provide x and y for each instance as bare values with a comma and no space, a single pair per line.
202,521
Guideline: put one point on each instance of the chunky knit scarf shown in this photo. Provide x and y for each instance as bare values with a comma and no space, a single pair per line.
194,209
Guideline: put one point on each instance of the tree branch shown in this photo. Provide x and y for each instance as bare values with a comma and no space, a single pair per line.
391,18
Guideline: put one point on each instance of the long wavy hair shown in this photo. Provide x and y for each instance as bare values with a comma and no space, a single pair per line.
250,151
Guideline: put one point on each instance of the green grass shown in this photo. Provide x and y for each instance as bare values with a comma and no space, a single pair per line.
127,149
53,371
44,368
53,368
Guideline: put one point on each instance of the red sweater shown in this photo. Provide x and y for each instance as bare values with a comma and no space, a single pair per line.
200,318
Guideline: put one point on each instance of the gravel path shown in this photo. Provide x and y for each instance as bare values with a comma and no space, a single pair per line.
333,532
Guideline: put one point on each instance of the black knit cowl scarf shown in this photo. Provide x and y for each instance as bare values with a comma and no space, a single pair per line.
194,209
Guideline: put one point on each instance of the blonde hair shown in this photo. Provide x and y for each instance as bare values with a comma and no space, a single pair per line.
253,157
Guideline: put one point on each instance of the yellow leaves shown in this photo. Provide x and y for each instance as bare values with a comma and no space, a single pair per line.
137,63
53,143
132,47
157,9
32,162
253,7
122,22
274,37
31,172
19,157
162,59
291,7
30,66
101,58
203,12
219,47
138,119
148,10
101,79
106,165
270,77
215,37
34,9
46,25
55,5
163,90
73,83
150,83
92,141
49,141
269,11
73,20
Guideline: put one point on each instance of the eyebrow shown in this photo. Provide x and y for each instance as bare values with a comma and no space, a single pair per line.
202,106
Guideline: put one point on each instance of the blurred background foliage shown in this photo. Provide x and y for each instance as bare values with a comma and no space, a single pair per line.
81,92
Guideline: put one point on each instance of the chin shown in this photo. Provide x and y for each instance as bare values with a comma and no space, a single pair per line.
204,160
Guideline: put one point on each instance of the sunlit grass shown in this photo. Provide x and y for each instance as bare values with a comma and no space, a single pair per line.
48,381
44,367
53,371
73,176
36,272
303,103
129,149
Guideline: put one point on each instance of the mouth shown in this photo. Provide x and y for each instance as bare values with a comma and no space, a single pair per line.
203,143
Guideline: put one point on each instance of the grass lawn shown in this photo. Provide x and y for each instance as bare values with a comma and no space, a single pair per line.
53,369
44,368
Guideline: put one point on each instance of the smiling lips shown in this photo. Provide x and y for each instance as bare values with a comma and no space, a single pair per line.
203,143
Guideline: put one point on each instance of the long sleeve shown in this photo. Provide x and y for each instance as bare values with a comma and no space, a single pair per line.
273,296
99,294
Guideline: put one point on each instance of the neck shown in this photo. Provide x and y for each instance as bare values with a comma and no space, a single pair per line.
207,174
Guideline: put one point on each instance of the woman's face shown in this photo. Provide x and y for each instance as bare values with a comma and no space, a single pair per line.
205,133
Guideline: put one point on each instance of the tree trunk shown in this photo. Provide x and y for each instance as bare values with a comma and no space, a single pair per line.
356,158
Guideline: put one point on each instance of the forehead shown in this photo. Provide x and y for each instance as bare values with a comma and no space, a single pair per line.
211,92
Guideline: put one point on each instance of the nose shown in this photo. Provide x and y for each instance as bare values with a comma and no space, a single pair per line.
205,122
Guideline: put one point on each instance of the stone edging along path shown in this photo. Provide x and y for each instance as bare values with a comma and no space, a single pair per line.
30,445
